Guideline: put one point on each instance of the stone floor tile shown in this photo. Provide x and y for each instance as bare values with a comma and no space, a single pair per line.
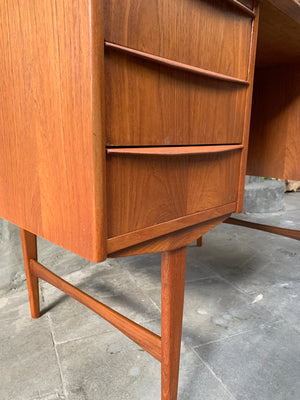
71,320
261,365
251,239
146,271
292,201
273,261
111,367
259,273
92,277
220,248
51,396
214,310
196,381
283,300
108,367
14,306
28,362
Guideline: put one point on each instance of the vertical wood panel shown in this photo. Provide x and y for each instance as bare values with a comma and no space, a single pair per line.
274,145
49,140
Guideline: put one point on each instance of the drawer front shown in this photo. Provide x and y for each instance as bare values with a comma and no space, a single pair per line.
148,190
210,34
148,104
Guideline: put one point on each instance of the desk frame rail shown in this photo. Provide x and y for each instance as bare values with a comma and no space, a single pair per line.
276,230
166,348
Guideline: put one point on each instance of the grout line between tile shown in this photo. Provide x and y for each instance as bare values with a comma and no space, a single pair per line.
237,288
225,338
57,357
214,374
113,329
215,275
153,302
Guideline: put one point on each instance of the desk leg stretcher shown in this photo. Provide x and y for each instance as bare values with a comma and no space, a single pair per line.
276,230
166,348
290,233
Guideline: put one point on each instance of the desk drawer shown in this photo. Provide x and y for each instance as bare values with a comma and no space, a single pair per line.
211,34
145,190
148,104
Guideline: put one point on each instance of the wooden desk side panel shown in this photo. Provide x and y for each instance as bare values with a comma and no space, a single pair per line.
274,145
51,145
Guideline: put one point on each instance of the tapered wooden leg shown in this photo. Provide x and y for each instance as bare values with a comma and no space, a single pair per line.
199,242
172,296
30,252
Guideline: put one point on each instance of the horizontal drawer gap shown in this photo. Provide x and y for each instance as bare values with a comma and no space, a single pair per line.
175,64
242,7
175,150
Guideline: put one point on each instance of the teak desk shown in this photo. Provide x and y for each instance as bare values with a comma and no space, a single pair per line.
274,143
124,130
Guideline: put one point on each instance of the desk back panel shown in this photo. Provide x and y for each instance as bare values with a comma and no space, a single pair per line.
51,142
274,145
278,33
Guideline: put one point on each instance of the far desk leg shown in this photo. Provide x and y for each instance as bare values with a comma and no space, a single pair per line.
29,247
172,296
199,242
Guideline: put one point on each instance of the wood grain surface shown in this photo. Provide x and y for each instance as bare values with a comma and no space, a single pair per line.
145,191
143,235
174,150
175,73
175,64
290,8
274,145
171,241
211,34
51,138
152,105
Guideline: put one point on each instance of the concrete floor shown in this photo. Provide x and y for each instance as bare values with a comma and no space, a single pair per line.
233,347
